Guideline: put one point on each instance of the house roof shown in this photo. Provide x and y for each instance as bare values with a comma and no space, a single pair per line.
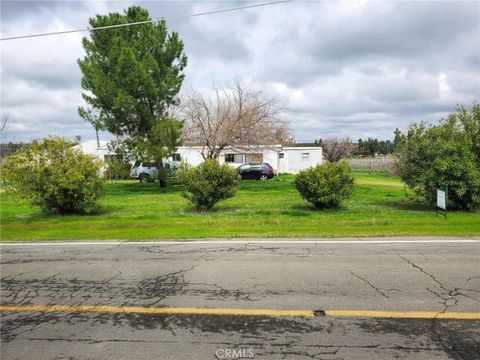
303,148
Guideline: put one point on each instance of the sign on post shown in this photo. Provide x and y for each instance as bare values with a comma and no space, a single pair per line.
442,199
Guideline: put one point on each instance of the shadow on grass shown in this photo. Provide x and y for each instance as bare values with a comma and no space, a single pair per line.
409,205
189,209
419,205
37,214
125,188
309,209
299,213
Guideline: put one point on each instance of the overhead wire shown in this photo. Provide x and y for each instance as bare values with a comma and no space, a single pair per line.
143,22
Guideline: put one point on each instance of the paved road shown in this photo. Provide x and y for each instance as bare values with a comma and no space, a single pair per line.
436,276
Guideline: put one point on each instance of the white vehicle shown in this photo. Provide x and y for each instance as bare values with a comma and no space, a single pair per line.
147,171
171,164
144,171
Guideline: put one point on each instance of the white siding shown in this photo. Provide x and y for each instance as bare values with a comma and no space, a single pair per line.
190,155
270,156
292,162
301,158
90,148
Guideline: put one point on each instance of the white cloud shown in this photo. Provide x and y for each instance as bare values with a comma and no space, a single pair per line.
354,68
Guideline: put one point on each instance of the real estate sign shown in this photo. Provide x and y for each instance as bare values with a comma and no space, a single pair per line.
441,199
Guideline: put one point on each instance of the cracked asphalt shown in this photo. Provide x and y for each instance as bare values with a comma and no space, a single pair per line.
440,277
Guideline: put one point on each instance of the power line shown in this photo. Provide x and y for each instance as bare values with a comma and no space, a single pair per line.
143,22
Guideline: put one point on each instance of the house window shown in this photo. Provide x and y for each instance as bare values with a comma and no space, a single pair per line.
234,158
281,155
305,156
254,158
176,157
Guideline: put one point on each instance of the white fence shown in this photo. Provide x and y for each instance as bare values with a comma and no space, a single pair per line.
371,164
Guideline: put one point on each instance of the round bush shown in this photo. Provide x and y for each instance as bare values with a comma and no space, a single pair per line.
208,183
325,186
54,175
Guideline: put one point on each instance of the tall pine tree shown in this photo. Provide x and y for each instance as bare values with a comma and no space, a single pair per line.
132,75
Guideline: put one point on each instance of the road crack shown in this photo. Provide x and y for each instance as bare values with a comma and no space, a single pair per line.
378,290
448,297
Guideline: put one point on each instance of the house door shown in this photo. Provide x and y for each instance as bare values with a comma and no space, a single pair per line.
281,163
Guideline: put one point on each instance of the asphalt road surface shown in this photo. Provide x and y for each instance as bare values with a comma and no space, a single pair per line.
416,275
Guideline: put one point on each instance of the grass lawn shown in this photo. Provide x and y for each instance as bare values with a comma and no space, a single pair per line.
130,210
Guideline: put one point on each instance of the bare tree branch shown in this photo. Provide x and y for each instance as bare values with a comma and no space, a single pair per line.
4,120
234,116
336,149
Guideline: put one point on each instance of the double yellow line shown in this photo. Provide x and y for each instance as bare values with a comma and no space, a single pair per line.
240,312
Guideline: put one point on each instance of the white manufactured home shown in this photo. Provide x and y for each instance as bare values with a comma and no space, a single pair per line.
100,152
282,159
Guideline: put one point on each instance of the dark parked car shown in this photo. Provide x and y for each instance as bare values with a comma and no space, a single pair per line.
256,171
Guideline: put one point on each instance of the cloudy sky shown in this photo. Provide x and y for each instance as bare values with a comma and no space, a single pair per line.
356,68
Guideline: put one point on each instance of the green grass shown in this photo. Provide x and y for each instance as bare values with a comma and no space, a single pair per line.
380,207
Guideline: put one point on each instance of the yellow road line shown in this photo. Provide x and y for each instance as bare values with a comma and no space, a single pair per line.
240,312
157,311
404,314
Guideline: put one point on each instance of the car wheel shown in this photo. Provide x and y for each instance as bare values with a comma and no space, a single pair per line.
263,177
144,178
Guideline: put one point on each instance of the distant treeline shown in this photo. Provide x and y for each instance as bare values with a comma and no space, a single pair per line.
10,148
368,147
373,146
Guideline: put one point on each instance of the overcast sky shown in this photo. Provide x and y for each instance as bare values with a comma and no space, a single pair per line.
356,68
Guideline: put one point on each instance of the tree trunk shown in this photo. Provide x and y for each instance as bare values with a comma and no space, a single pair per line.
161,176
98,139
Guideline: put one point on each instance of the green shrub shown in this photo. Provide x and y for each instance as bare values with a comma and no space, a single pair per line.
325,186
430,157
54,175
208,183
117,170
